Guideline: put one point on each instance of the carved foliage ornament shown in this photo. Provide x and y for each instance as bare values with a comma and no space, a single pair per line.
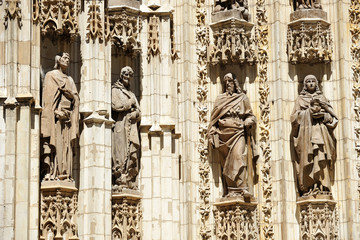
235,43
354,19
95,25
309,42
202,41
12,12
264,91
57,218
57,16
126,220
123,29
236,222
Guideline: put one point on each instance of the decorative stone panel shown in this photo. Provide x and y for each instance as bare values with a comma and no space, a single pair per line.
122,27
234,39
236,219
58,209
126,215
318,218
57,17
309,37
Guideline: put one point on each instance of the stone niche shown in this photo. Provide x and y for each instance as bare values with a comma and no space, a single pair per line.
236,218
234,39
309,37
318,217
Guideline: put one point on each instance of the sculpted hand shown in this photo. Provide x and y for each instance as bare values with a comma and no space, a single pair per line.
327,118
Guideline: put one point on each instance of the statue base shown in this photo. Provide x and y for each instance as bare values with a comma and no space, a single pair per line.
126,214
308,14
58,210
318,217
236,218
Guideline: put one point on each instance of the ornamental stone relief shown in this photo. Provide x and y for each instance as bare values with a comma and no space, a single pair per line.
123,29
126,217
233,34
57,17
235,219
94,23
12,12
153,36
309,34
318,220
58,212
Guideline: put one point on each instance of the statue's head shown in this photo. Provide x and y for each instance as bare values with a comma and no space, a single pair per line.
62,60
126,75
231,84
311,84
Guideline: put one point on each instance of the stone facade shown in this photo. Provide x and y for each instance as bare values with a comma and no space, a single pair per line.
180,52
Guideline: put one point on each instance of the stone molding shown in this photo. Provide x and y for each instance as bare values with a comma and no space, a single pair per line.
319,218
12,12
202,42
267,227
57,17
354,20
236,218
126,215
58,210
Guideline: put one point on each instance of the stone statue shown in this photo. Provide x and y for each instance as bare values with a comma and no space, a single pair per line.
125,137
307,4
59,121
313,145
231,134
241,5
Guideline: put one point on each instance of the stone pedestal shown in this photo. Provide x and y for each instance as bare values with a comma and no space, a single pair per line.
236,218
234,39
58,210
126,215
318,217
309,37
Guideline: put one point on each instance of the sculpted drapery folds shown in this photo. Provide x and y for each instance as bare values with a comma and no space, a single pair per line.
125,137
241,5
59,121
307,4
313,145
230,133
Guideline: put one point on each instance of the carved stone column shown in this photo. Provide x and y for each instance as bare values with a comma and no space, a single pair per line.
159,176
318,218
19,124
236,218
95,139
